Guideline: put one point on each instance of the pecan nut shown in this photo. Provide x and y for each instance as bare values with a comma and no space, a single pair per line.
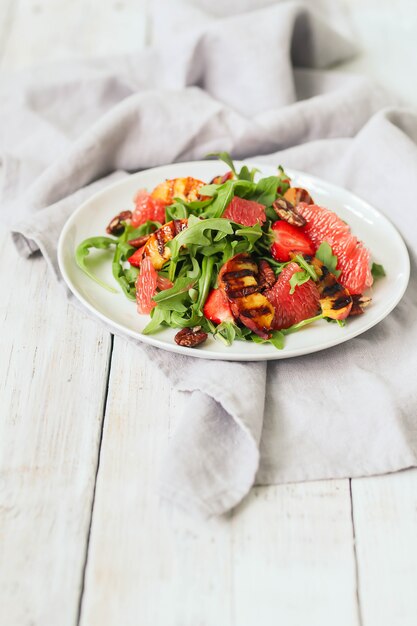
190,337
295,195
359,303
266,275
115,226
287,211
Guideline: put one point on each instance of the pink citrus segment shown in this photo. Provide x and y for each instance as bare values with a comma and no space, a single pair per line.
353,258
296,307
146,284
245,212
147,208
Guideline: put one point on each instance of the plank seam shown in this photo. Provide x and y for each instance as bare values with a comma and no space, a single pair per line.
93,500
358,597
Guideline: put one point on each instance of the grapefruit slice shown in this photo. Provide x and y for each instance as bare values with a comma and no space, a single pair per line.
147,208
296,307
245,212
353,259
146,284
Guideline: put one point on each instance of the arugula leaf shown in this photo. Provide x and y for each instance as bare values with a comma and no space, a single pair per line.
277,266
208,190
144,229
295,327
284,180
126,277
377,271
195,234
226,332
251,233
247,174
266,190
83,250
176,211
277,339
297,279
182,286
306,266
244,174
159,317
326,256
226,158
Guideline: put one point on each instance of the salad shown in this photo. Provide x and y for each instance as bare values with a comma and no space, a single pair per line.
238,258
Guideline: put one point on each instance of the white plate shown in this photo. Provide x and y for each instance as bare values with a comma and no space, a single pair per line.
367,223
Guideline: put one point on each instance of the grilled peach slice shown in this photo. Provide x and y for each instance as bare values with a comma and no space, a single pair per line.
238,279
335,300
184,188
156,248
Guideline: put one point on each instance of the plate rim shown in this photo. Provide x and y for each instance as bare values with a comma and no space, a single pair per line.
207,354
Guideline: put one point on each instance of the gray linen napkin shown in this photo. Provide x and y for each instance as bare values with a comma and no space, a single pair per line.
250,84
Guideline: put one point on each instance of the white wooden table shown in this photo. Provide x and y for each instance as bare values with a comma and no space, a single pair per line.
84,427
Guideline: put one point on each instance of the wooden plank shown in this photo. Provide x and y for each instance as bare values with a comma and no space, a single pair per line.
147,565
284,556
53,374
293,556
385,519
45,31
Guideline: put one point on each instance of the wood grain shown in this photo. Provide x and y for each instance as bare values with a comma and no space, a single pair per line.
50,424
285,554
385,518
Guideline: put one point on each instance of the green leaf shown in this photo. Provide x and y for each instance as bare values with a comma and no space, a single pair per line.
176,211
124,276
295,327
144,229
226,332
326,256
277,339
159,317
182,285
226,158
377,271
277,266
251,233
266,190
247,174
298,278
83,250
208,190
195,233
224,196
283,180
306,267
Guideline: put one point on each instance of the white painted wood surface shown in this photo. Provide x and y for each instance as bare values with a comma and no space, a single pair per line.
287,555
50,426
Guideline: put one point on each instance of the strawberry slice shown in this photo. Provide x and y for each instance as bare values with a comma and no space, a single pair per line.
287,239
245,212
137,256
217,308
